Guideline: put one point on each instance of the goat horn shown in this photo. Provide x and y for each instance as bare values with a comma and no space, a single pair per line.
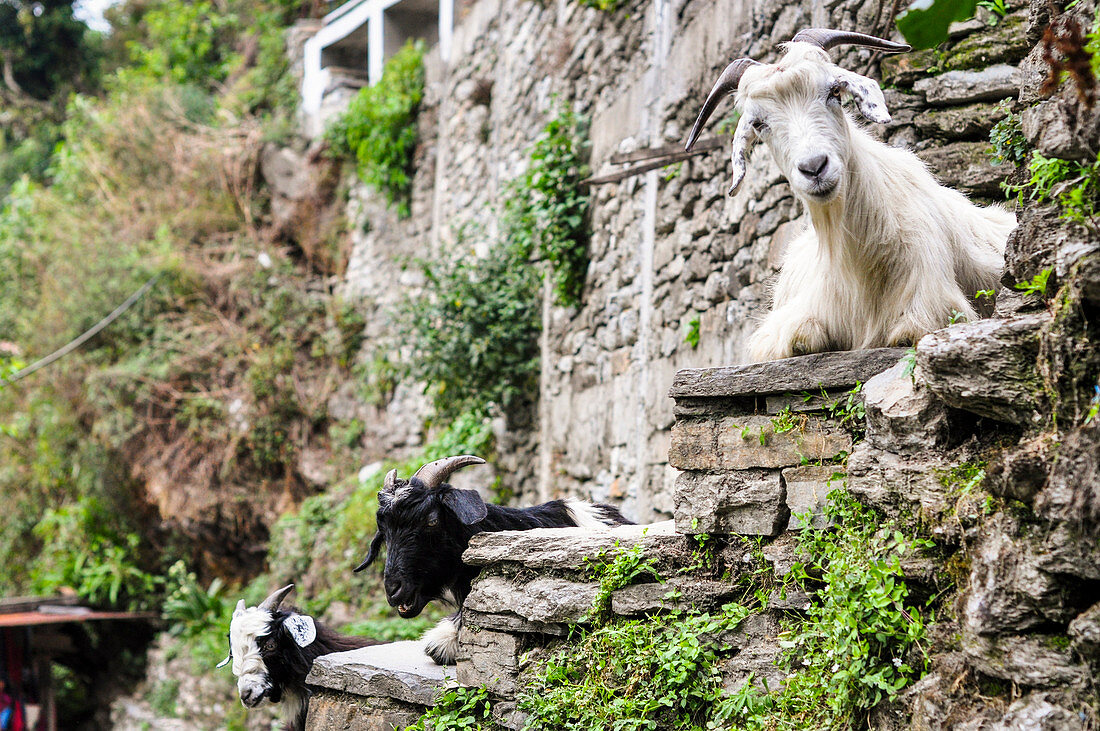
726,85
272,602
436,473
826,39
390,483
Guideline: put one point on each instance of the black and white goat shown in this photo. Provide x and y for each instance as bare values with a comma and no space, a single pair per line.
272,651
426,525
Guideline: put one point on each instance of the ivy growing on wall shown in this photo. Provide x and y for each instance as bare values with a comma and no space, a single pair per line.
544,210
378,129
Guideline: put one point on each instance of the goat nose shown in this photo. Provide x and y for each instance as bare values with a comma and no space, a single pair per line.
393,589
813,167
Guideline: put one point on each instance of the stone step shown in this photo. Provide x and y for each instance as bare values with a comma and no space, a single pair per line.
398,670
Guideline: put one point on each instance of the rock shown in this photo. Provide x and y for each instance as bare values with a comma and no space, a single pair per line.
1052,130
1034,712
737,443
678,593
1035,661
898,484
1022,472
758,654
960,123
964,87
802,373
806,489
1073,491
346,712
566,548
986,367
904,69
748,502
1001,44
1010,590
488,659
544,600
902,416
966,166
1085,631
398,670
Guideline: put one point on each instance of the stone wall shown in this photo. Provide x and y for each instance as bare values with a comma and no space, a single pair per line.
667,246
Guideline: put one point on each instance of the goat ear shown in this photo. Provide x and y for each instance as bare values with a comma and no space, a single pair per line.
467,505
372,553
743,140
302,628
867,96
239,609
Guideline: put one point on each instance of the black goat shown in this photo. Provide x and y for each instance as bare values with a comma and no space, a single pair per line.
426,525
272,651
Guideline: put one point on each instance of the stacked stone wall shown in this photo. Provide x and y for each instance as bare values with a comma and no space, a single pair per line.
667,246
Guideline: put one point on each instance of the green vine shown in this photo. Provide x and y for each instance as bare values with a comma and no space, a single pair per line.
544,210
379,127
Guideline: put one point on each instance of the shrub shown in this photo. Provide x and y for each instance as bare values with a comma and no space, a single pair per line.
378,129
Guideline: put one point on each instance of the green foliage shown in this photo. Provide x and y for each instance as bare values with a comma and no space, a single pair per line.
861,641
607,6
50,52
544,210
189,609
378,129
910,360
614,574
163,696
924,24
691,337
661,672
472,337
186,42
458,709
848,411
997,9
1036,286
1072,185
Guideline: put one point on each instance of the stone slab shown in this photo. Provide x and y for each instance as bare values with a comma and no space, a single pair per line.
342,712
747,502
511,623
488,659
963,87
679,593
842,369
806,489
397,670
743,442
565,548
546,599
902,416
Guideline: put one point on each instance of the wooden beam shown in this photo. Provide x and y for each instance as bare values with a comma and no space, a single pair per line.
710,143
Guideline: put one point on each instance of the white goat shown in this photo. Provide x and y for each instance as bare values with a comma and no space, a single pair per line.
890,253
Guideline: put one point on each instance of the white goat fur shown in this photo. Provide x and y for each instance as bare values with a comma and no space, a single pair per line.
890,252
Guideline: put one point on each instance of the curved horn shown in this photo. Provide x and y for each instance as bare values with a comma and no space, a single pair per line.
272,602
826,38
390,483
726,85
436,473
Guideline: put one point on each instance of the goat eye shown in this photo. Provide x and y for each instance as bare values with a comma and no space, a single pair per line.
834,90
433,520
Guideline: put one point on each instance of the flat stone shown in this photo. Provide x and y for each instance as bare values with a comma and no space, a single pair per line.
1003,43
738,443
545,599
810,373
967,122
397,670
748,502
759,656
678,593
512,623
1036,712
1035,661
963,87
806,489
897,484
329,711
565,548
488,659
987,367
902,416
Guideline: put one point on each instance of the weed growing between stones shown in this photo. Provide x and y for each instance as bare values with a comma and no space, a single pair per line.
1073,186
1007,143
468,709
378,129
620,571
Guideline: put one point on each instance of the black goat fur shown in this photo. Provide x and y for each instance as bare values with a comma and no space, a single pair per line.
426,530
288,664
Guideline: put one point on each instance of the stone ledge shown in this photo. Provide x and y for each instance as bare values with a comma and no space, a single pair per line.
397,670
841,369
565,548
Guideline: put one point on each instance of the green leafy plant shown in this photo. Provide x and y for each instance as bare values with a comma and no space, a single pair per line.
1036,286
997,8
1072,185
848,410
691,336
925,24
1007,143
910,360
544,210
461,709
620,571
379,127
